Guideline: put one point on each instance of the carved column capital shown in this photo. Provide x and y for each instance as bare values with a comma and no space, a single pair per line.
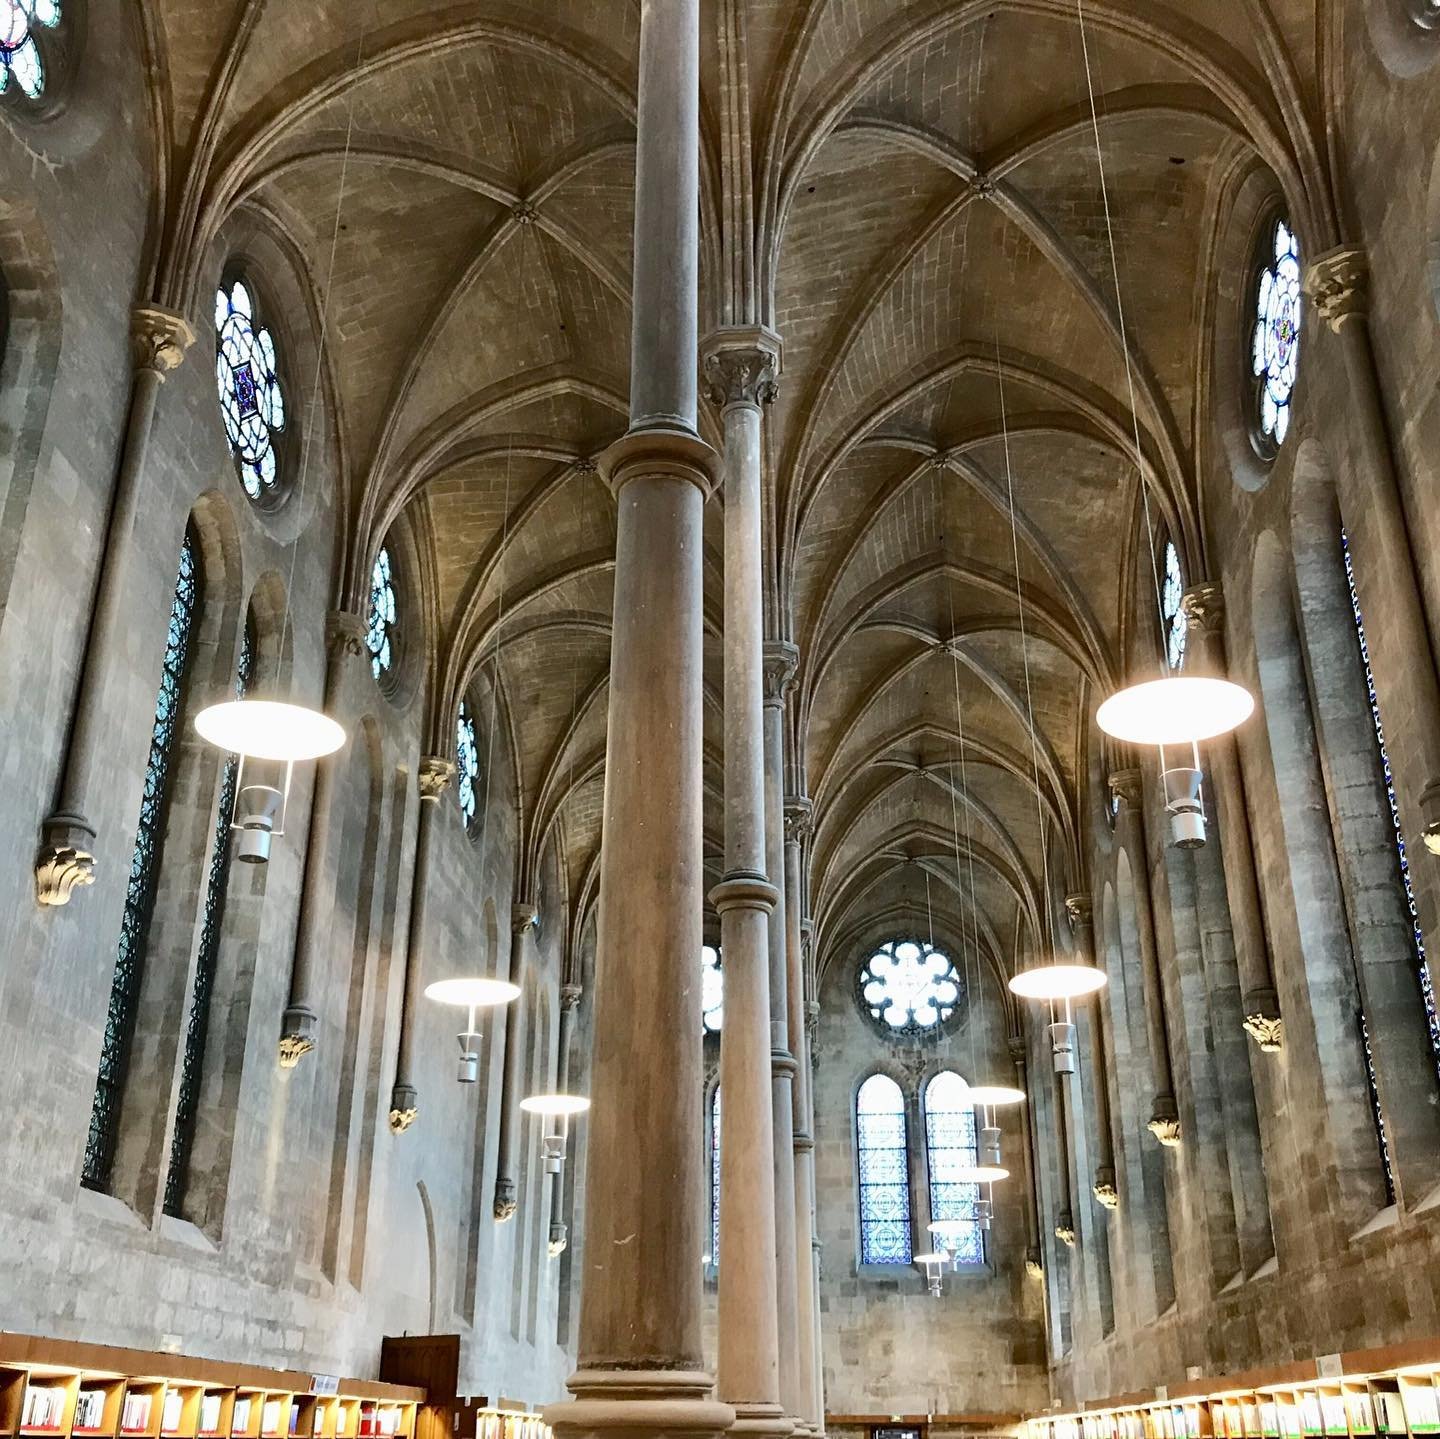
1080,910
404,1107
1203,606
1339,284
799,819
297,1034
1164,1121
1104,1188
570,995
344,635
1065,1229
1128,787
1263,1022
742,366
505,1203
66,861
782,660
159,339
523,916
434,776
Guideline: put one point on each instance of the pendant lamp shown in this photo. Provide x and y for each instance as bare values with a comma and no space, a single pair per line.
994,1096
1177,710
557,1105
1058,981
934,1268
471,994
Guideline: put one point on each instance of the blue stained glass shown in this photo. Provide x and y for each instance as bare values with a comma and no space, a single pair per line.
1422,965
144,876
714,1255
1377,1115
950,1145
1171,593
187,1106
378,638
252,400
467,765
1275,343
20,58
884,1167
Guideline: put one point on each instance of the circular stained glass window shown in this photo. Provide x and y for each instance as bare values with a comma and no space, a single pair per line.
380,635
1275,342
1172,591
21,63
908,987
252,403
467,765
712,990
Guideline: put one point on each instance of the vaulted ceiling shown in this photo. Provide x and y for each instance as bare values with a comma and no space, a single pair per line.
910,195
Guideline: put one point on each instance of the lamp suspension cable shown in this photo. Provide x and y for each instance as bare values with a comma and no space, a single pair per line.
1173,709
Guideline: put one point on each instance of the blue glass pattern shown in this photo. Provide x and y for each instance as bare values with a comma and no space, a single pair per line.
20,58
467,766
193,1061
950,1145
909,987
712,990
884,1164
252,400
144,875
1422,965
382,616
715,1177
1377,1115
1172,591
1275,342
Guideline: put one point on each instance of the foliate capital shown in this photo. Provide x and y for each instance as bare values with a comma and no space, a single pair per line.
1080,910
1262,1020
782,660
505,1203
1339,283
523,916
1015,1043
404,1107
570,995
435,775
1104,1188
159,339
1203,606
1065,1229
344,635
66,861
742,366
799,819
1127,787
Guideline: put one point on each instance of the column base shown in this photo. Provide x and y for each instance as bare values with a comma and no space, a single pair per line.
297,1034
404,1107
639,1404
66,858
763,1421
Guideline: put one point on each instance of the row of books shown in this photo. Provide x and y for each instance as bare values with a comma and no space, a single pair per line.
44,1407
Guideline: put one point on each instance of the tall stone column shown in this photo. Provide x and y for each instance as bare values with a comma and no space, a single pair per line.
66,857
781,662
1016,1045
1080,910
1401,655
641,1343
740,368
570,995
344,646
1128,789
797,826
524,918
434,777
1203,605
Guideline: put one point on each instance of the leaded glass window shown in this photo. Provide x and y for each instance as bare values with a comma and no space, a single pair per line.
1275,340
207,956
252,400
380,637
884,1163
712,990
20,57
1172,616
714,1256
909,987
950,1145
144,875
467,765
1422,965
1377,1115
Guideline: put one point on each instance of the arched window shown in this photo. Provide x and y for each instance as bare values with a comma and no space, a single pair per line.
144,874
1172,617
208,953
909,987
467,767
712,990
252,400
714,1255
21,22
380,636
1275,339
950,1145
1422,966
883,1159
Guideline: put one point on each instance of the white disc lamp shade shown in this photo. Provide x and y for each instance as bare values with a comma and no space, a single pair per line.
1058,981
472,993
1183,709
269,729
992,1096
978,1174
932,1259
556,1104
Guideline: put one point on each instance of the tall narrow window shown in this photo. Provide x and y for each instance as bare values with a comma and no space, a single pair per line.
1422,966
211,926
1275,339
884,1164
467,767
144,875
1172,614
380,635
712,990
950,1145
715,1176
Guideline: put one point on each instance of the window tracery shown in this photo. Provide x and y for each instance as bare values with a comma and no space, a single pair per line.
379,637
1172,615
21,60
1275,339
714,1255
909,987
883,1159
951,1145
252,399
467,766
712,990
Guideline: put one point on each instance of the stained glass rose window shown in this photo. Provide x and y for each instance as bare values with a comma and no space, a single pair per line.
908,987
1275,344
20,58
252,402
